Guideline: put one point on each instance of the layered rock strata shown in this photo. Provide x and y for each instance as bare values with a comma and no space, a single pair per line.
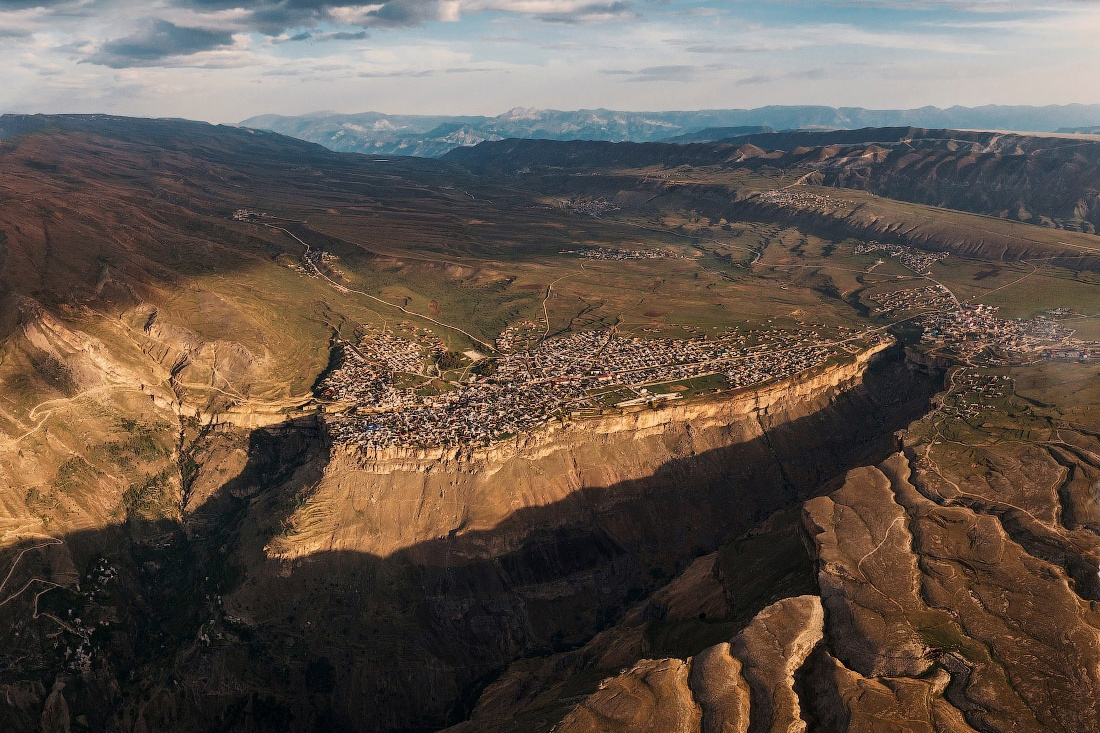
931,617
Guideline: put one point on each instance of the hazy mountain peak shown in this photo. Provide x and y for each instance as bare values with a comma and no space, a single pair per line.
522,113
417,134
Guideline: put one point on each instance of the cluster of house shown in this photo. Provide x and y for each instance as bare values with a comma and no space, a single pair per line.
915,259
80,648
975,328
520,336
314,260
553,380
1043,327
364,374
801,199
250,215
1073,353
612,358
930,296
606,253
973,393
592,207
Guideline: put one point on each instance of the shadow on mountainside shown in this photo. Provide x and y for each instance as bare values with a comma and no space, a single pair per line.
193,627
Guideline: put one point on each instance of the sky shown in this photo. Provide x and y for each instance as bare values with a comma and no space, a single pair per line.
226,60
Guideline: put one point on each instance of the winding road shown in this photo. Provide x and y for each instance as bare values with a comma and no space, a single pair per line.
403,309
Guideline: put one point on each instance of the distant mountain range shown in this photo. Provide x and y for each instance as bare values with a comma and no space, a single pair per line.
433,136
1049,180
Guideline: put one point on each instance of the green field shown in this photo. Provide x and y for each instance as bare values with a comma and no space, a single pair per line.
691,387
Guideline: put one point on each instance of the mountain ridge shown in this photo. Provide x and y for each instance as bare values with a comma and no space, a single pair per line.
384,134
1046,181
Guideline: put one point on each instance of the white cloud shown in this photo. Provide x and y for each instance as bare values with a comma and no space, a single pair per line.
406,55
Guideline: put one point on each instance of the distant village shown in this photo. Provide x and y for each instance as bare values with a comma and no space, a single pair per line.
608,253
589,206
973,329
915,259
314,260
250,215
801,198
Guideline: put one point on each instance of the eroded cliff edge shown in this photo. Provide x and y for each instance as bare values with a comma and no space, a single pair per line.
956,590
312,587
382,502
458,564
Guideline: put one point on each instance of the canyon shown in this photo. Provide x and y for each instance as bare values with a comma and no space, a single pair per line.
461,565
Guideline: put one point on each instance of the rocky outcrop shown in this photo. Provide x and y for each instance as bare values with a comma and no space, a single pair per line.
720,690
869,579
931,616
652,697
743,686
536,545
773,648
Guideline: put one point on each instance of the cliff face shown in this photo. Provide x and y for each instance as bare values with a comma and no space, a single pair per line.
954,589
458,564
388,501
307,586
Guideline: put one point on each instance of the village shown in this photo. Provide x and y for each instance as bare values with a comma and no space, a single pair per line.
402,387
801,199
974,329
974,394
915,259
313,261
588,206
250,215
388,389
608,253
897,301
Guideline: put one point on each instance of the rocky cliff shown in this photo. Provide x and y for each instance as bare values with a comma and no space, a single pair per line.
955,591
383,502
458,564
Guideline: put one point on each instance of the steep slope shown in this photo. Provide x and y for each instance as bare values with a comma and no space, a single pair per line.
956,586
1043,180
